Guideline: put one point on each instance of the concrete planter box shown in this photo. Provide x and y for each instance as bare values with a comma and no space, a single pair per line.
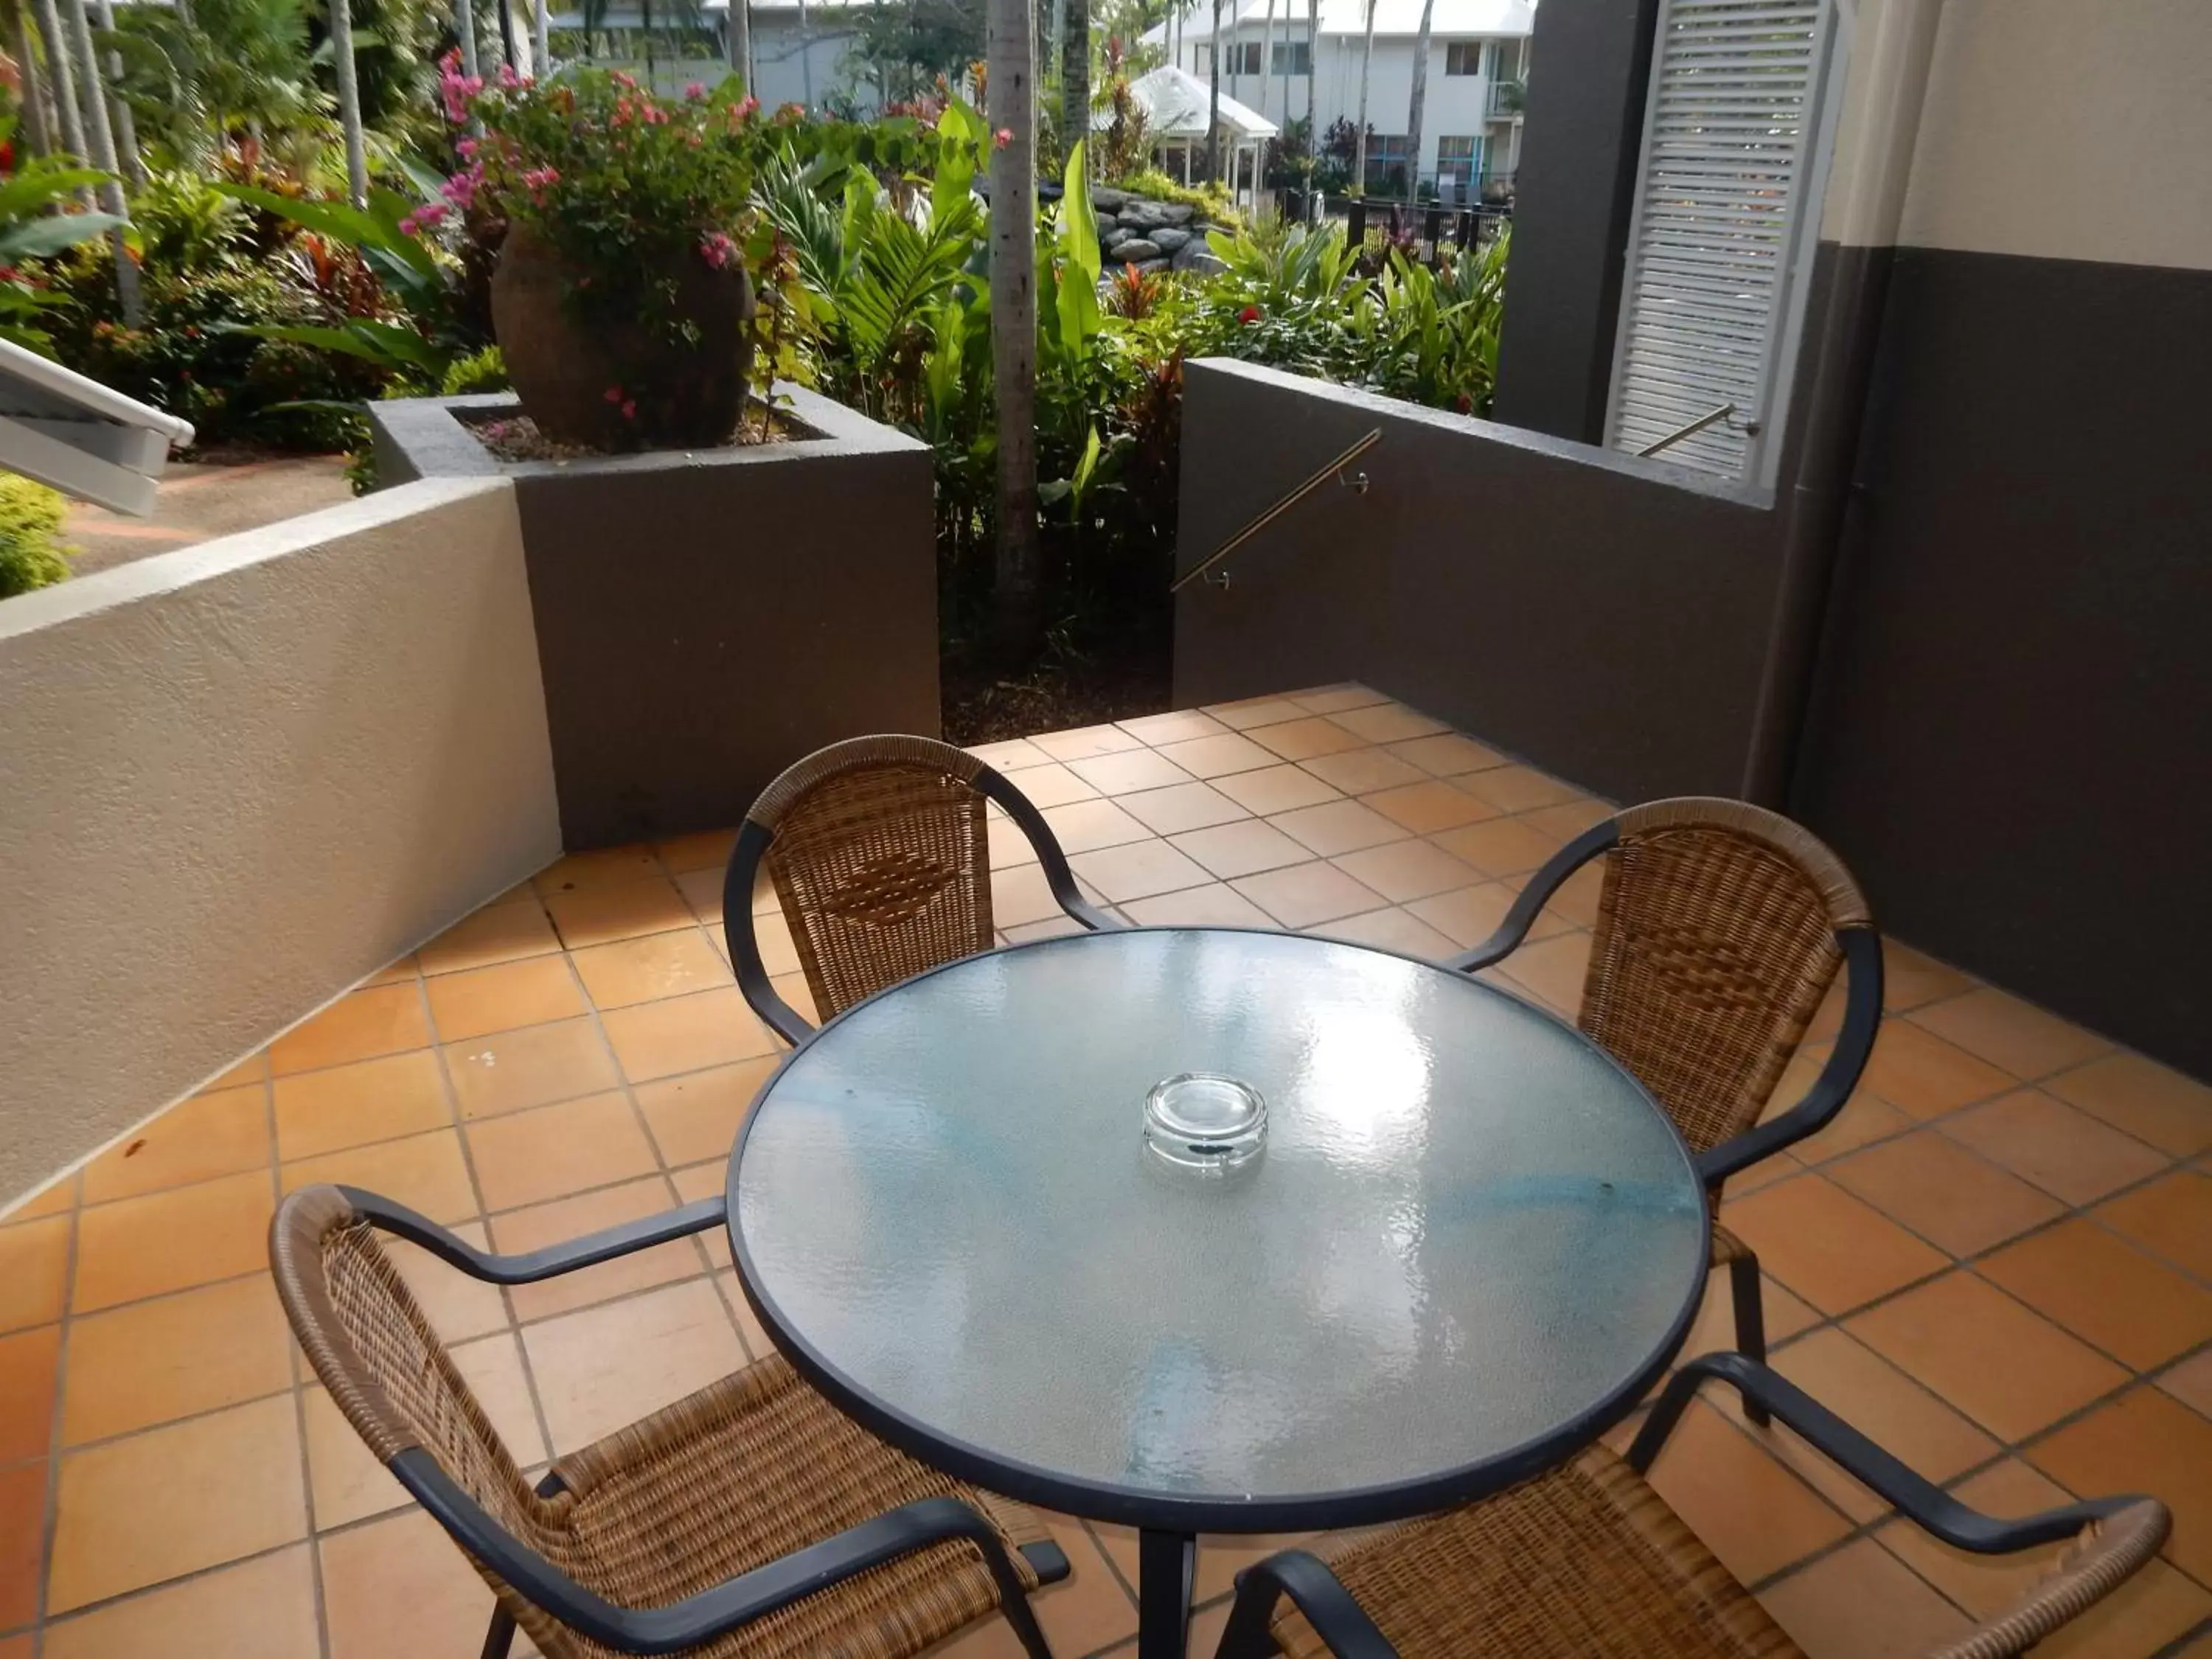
706,617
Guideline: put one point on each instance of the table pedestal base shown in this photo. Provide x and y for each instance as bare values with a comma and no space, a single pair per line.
1166,1562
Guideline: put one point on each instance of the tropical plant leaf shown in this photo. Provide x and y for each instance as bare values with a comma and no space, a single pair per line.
38,238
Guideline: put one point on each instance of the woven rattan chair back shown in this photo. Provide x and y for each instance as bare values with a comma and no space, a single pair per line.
1715,944
881,862
373,1349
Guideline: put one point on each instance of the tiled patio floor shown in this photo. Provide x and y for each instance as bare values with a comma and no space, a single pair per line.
1998,1261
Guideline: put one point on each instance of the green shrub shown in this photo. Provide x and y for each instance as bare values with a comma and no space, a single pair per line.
480,371
1210,202
31,556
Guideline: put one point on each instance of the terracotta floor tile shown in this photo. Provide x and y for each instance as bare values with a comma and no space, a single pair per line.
1361,771
29,1375
1499,846
513,1071
1084,826
686,1034
1338,826
1089,1610
498,999
1448,754
1011,755
1305,738
1008,846
593,915
1085,742
1335,699
1926,1076
1250,712
1862,1603
1714,1328
2147,1442
2008,1032
254,1069
33,1272
2105,1291
1406,870
706,849
58,1197
1519,788
1020,894
427,1173
1244,849
601,867
359,1025
1865,1119
1394,929
2049,1143
1751,1511
697,1116
1429,807
207,1135
174,1500
1554,968
2151,1102
1181,726
404,969
1053,785
1943,1192
22,1533
345,1483
1276,789
397,1588
1139,870
1885,1405
1945,1334
1304,894
1388,722
369,1100
1466,915
634,970
1910,979
175,1356
170,1241
1568,819
567,1218
550,1152
1213,905
605,1367
1216,757
2173,1217
264,1608
1185,806
1828,1247
1127,774
2191,1381
498,932
701,891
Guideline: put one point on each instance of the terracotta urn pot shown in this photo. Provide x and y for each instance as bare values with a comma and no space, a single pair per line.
672,395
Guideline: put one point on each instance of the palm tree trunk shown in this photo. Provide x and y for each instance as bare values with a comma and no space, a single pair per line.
465,25
356,141
1017,598
1214,115
1416,106
1313,68
1075,76
805,58
1359,144
740,41
63,77
541,56
126,130
41,133
102,139
1266,55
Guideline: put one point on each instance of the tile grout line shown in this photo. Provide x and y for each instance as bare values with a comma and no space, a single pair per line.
294,1356
50,1517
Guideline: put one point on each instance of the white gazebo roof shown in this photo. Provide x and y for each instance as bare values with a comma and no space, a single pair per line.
1178,105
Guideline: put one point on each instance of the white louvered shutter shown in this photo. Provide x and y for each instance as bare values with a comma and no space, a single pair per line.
1723,225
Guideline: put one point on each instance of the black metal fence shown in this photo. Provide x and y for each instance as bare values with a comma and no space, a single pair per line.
1425,229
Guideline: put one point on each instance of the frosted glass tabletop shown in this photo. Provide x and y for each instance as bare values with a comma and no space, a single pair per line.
1469,1242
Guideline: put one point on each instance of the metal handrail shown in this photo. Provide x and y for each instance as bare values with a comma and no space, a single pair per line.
1681,431
1283,504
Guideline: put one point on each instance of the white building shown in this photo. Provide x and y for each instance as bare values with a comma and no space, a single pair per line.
1478,64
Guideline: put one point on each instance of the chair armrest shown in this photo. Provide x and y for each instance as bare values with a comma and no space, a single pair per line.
1058,876
2107,1554
1598,838
780,1015
699,1619
1862,948
532,1266
1316,1592
1919,1500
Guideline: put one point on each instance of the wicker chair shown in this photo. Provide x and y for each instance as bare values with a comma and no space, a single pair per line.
1720,927
748,1519
877,849
1588,1561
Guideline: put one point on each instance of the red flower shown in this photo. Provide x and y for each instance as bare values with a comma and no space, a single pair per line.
629,411
1249,314
613,394
1002,136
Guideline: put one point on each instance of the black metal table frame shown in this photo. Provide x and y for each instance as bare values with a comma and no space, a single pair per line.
1167,1525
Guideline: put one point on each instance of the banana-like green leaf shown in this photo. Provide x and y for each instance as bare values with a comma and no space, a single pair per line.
35,239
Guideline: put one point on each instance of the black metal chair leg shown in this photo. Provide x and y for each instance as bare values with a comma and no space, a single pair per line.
1750,1323
1248,1636
500,1636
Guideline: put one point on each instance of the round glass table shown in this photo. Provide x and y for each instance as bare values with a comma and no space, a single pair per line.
1468,1244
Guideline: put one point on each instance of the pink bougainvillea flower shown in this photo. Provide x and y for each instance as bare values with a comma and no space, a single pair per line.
717,249
422,218
695,91
614,394
629,411
508,79
467,146
461,189
1002,136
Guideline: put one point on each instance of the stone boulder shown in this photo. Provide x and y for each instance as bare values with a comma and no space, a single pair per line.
1195,255
1136,250
1150,215
1151,267
1111,235
1106,198
1168,237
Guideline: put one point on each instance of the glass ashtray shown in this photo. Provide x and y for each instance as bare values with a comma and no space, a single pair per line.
1204,1122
